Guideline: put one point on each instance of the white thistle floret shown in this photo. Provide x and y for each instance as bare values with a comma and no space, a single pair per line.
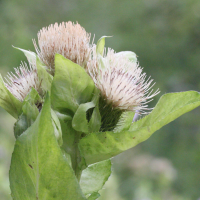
121,81
68,39
20,84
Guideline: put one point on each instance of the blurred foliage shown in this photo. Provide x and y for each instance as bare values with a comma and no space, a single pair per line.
165,34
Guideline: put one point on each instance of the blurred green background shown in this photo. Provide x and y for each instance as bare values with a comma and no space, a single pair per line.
165,34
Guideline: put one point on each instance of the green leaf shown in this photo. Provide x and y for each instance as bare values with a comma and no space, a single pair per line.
71,86
95,121
80,121
95,176
31,56
29,112
26,119
96,147
8,102
101,44
70,140
32,97
39,170
44,77
94,196
57,127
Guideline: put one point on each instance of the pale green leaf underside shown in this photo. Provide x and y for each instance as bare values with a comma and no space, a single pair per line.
39,171
101,146
94,177
71,85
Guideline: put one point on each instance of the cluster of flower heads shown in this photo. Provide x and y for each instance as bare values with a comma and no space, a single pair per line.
121,81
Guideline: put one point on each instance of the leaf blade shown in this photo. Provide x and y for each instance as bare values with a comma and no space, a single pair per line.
100,146
71,85
95,176
38,168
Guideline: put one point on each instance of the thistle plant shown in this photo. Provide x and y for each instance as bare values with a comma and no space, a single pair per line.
75,105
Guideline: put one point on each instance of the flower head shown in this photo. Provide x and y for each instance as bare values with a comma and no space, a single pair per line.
121,81
20,84
69,39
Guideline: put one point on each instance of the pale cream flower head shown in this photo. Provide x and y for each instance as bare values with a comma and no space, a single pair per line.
121,81
68,39
20,84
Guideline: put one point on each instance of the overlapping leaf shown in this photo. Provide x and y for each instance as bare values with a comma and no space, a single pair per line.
71,86
94,177
101,146
39,170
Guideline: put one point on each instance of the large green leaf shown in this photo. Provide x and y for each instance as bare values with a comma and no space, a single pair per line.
101,146
71,86
8,101
38,169
94,177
